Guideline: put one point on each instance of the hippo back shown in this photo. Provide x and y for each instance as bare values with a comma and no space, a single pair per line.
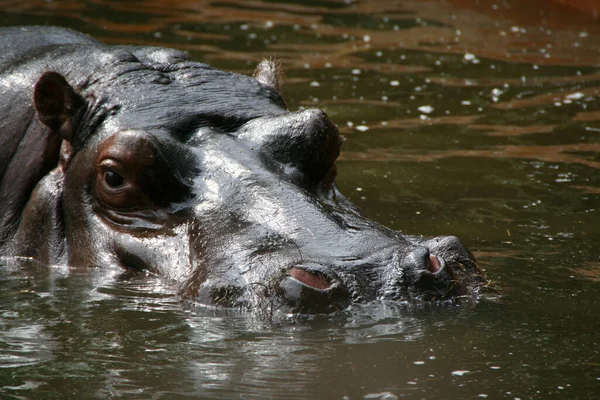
15,42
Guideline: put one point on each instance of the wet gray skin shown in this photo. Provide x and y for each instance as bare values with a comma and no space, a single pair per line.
137,158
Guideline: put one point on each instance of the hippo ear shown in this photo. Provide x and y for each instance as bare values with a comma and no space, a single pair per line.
58,106
270,74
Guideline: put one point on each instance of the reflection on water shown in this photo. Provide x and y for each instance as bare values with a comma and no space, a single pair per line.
474,118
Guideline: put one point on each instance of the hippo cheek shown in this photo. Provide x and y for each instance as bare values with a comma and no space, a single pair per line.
165,253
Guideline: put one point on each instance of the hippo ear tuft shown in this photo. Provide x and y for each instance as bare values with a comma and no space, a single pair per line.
270,74
58,106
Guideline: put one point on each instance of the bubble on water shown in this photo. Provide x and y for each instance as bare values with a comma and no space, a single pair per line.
426,109
469,56
460,372
367,38
465,103
495,367
394,83
575,96
482,395
244,27
362,128
419,362
356,71
381,396
315,84
268,24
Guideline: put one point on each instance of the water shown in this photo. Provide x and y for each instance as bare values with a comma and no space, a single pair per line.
478,119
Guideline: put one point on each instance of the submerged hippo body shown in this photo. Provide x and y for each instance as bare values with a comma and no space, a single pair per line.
138,158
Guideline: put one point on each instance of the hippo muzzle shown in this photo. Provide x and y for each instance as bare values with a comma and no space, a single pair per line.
146,161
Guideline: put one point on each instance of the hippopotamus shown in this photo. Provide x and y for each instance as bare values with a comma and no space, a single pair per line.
138,158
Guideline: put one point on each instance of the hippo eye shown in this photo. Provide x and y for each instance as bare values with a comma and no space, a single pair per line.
113,179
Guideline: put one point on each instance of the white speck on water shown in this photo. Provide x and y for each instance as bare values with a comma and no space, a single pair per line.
384,98
269,24
367,38
359,189
423,117
494,367
482,395
394,83
349,124
575,96
426,109
244,27
315,84
460,372
411,383
465,103
419,362
362,128
381,396
356,71
432,357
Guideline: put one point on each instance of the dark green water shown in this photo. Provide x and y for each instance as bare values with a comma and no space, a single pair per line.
477,119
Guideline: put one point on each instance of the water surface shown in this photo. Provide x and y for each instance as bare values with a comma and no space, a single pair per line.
471,118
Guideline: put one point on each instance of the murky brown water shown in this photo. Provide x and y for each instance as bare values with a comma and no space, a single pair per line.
474,118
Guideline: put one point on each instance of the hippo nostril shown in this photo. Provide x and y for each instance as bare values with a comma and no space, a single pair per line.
435,263
313,279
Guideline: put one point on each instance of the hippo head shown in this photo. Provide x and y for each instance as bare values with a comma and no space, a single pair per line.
172,167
